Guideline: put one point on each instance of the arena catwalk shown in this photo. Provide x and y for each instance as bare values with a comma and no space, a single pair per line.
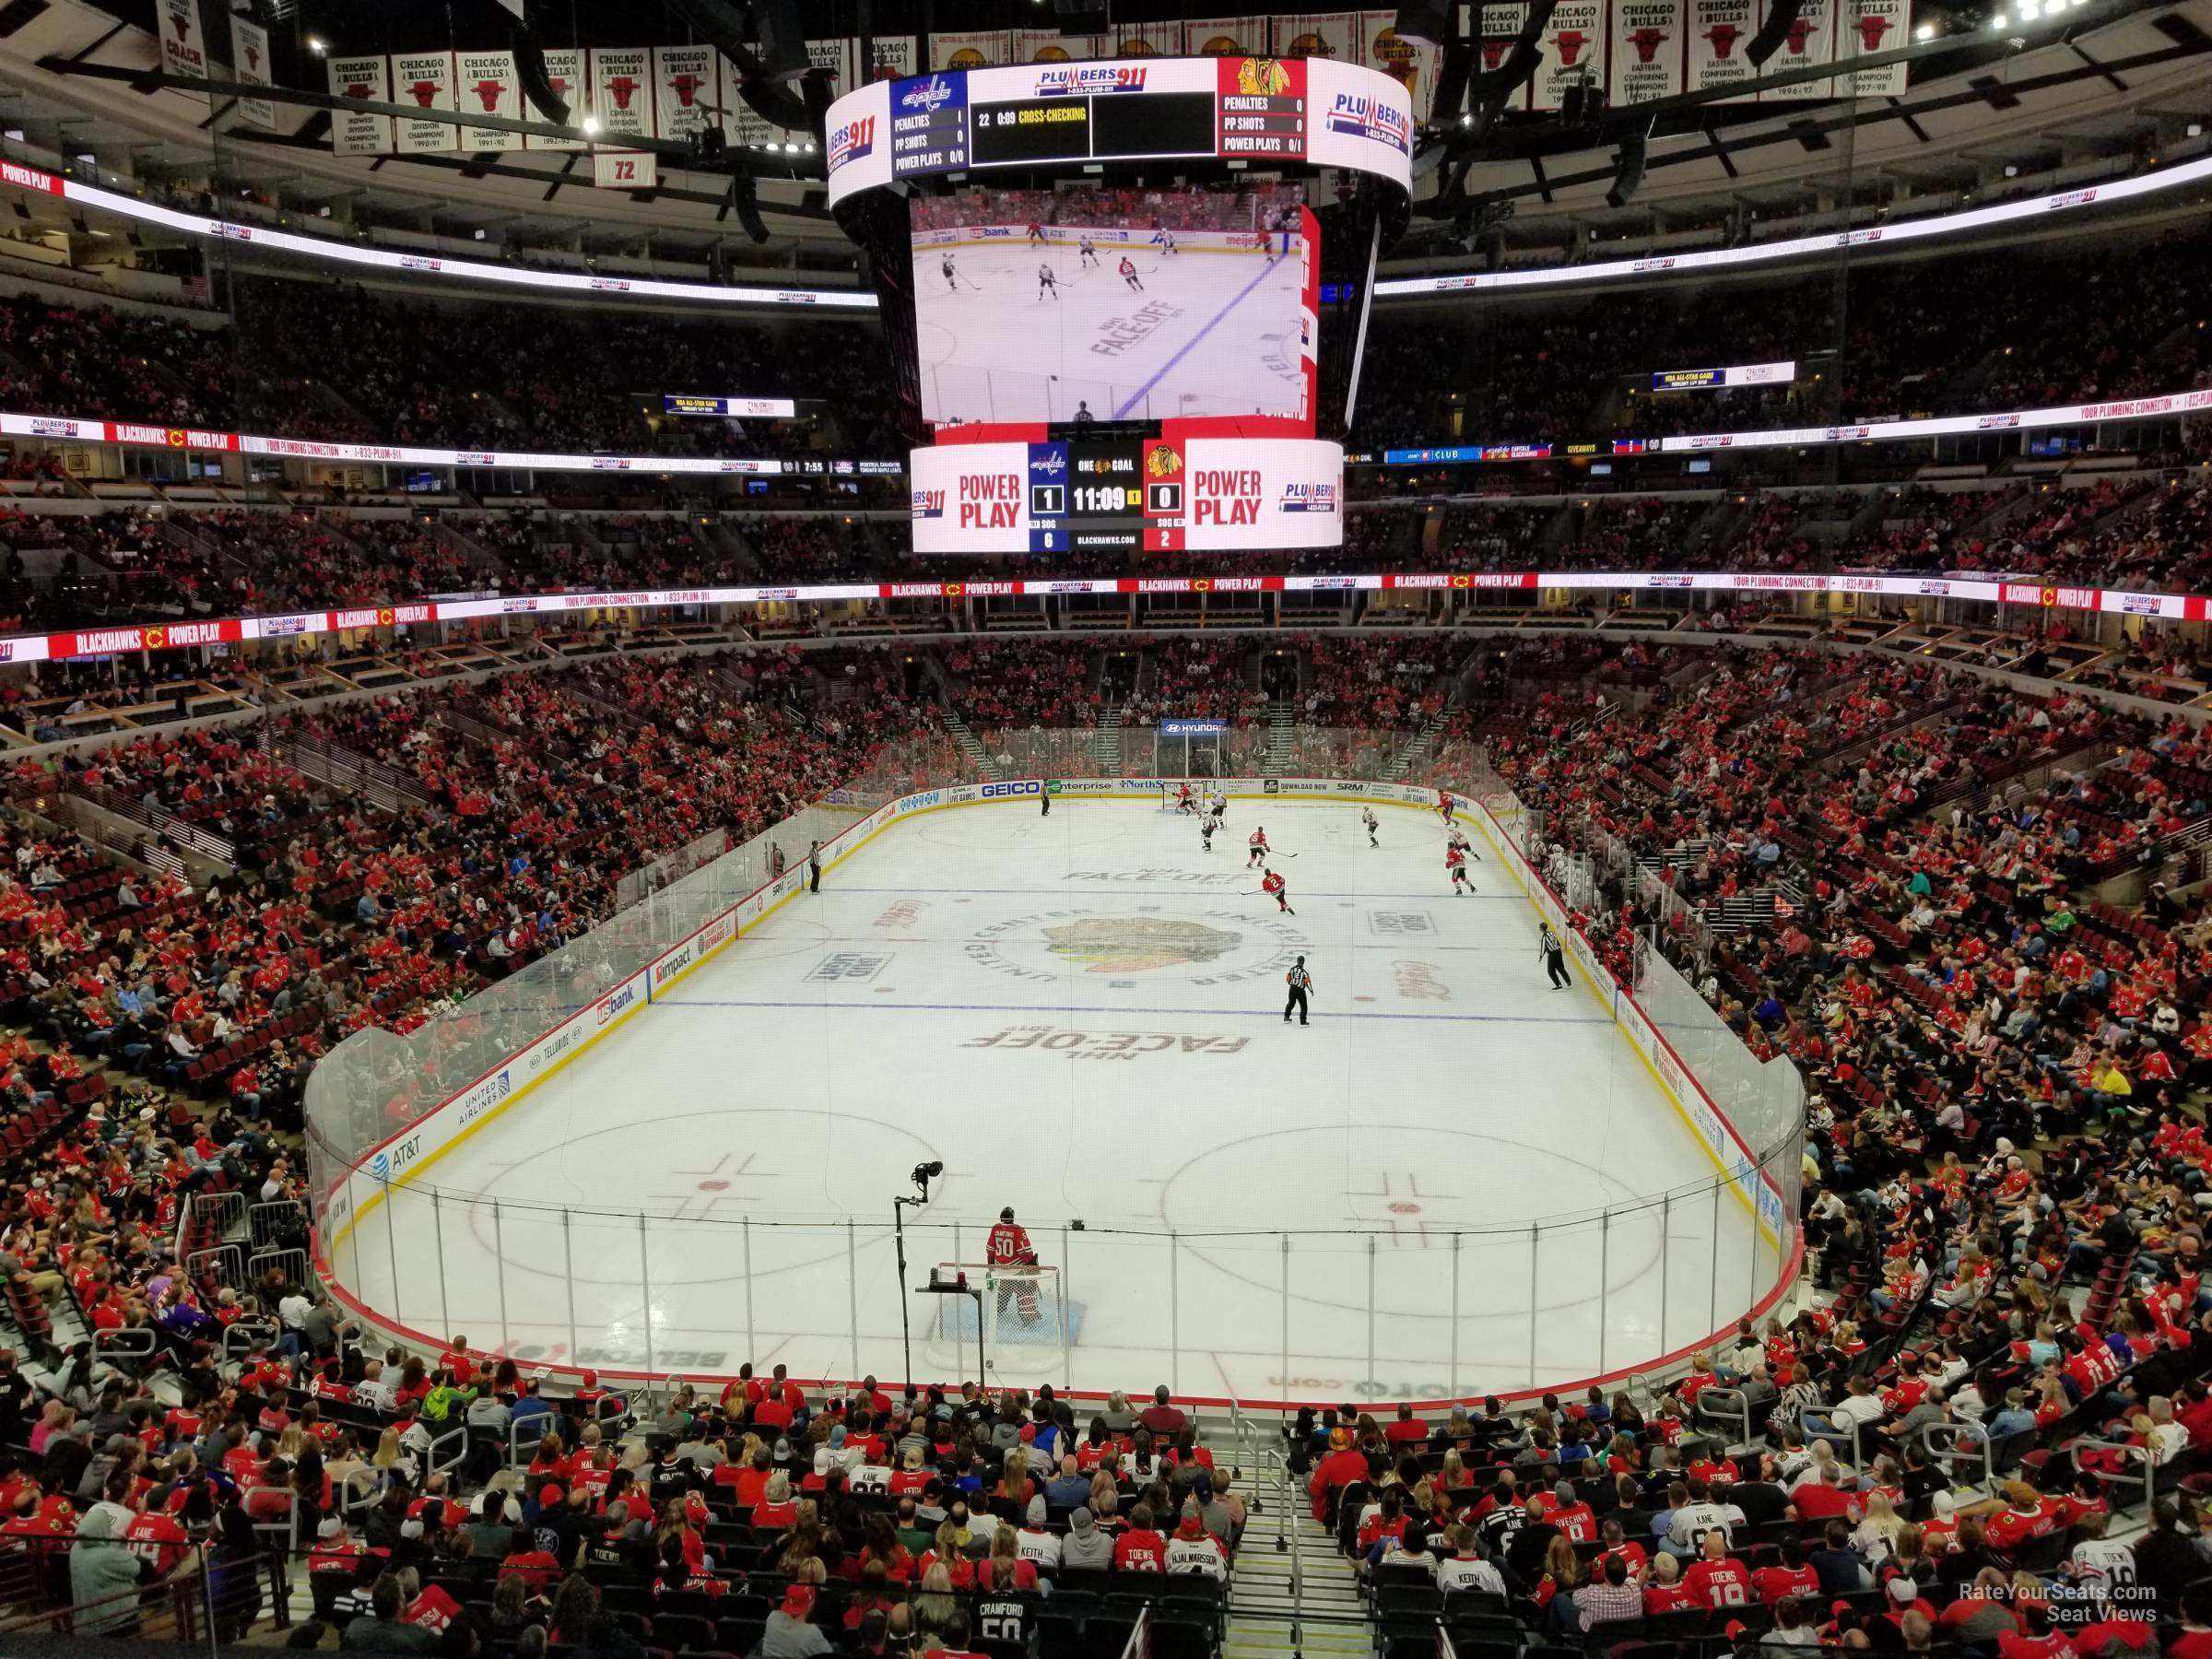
1081,1016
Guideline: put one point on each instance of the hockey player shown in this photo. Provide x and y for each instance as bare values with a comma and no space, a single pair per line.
1186,801
1456,861
952,276
1367,817
1301,986
1443,804
1257,842
1089,254
1205,834
1167,241
1219,807
1128,273
1276,888
1036,235
1009,1246
1456,837
1047,283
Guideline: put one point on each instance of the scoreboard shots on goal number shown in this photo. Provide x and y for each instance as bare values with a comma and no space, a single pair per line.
1109,364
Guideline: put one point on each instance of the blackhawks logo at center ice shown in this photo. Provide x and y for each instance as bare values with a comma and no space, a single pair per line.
1132,944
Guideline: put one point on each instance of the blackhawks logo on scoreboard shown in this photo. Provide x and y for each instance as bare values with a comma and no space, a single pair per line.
1262,78
1162,461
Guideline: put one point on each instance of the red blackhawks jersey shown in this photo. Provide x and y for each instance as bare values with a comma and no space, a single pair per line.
1009,1245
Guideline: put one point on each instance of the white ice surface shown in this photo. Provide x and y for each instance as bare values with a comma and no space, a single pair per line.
767,1110
1210,333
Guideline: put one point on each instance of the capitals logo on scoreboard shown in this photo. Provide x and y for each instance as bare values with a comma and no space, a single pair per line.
1071,81
1048,459
927,97
929,504
852,141
1364,117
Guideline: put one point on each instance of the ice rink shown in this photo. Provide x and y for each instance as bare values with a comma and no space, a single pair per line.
1209,333
1081,1016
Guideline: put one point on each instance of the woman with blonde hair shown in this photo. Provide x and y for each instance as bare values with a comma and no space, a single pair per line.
1102,1491
392,1461
1453,1476
1007,1571
1876,1538
1117,1417
945,1555
933,1608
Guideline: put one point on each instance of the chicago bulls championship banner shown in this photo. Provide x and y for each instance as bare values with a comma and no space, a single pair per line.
622,91
426,80
1646,48
356,131
1572,48
488,86
1865,26
1720,31
896,57
1811,41
564,68
686,90
1497,26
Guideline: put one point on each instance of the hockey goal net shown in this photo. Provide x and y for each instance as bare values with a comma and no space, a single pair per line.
1024,1320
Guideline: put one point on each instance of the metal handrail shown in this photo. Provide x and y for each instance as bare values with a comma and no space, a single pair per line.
1928,1434
2141,1454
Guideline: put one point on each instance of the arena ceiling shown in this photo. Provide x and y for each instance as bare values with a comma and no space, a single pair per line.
1991,112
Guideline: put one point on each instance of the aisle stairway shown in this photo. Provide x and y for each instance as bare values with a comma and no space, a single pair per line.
1106,742
1268,1619
1282,740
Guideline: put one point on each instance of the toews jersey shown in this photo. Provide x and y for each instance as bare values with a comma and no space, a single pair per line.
1009,1246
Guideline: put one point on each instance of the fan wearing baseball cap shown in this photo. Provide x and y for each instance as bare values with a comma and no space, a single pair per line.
790,1635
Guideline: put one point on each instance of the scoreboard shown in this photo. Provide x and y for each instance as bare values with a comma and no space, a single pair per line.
1311,111
1131,492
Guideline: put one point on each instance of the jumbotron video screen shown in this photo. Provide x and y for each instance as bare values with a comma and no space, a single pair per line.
1088,303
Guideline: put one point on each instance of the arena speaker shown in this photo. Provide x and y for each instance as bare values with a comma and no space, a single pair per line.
783,39
1782,18
537,85
1426,23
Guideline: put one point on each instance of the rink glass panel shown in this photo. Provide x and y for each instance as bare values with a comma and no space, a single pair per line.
1294,1312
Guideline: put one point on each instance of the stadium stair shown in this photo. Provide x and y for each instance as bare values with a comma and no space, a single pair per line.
1270,1619
1282,740
1415,752
1106,741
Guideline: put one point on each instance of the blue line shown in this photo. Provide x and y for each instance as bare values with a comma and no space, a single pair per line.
1136,395
1086,1008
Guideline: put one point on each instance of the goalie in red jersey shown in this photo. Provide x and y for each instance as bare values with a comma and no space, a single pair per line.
1009,1246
